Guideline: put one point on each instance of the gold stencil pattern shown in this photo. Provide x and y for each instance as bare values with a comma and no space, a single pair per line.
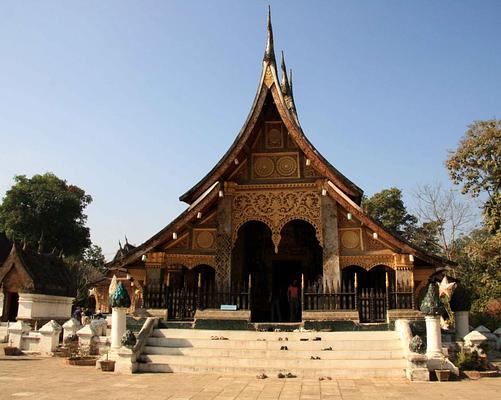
276,208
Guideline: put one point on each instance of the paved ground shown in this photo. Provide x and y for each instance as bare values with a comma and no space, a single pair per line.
50,378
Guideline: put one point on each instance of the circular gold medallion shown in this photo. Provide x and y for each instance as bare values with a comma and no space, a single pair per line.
263,167
350,239
287,166
205,239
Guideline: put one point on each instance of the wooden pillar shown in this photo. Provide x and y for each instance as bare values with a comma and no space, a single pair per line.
331,268
223,242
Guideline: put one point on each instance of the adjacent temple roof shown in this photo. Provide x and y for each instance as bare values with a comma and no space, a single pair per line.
37,273
123,250
346,193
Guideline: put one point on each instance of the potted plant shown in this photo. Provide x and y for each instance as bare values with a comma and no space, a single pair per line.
11,350
107,365
79,355
442,374
469,364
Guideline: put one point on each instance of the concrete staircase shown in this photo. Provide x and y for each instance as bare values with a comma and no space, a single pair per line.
353,355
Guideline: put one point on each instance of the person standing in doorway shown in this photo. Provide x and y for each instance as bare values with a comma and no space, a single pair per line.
293,298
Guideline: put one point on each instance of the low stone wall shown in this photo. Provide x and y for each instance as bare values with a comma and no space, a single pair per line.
42,307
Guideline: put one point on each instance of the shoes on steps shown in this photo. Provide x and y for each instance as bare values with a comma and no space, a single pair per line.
290,375
317,338
315,358
327,349
280,339
262,376
284,348
304,339
280,375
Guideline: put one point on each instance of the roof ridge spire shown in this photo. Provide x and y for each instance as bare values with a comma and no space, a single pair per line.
269,53
286,90
290,82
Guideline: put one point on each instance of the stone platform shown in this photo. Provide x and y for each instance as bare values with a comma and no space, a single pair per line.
249,353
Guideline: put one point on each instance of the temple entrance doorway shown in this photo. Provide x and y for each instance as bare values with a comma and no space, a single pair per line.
284,275
276,277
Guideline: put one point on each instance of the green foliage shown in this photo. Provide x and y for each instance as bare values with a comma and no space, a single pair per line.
476,164
46,209
479,270
93,256
469,361
387,208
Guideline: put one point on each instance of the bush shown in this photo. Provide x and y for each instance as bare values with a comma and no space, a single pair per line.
469,361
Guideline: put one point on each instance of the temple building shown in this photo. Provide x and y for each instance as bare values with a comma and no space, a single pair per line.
271,215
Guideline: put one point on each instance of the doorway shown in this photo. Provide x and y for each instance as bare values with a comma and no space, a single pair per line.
12,306
285,273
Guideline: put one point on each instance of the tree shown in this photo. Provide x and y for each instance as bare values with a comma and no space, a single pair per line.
479,270
94,257
45,210
476,164
83,274
387,208
444,212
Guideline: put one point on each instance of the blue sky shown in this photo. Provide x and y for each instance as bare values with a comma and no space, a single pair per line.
134,101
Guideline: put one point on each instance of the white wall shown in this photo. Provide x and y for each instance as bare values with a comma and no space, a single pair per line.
42,306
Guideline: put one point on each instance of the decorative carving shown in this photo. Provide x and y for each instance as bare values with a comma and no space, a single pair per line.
276,207
416,345
155,258
263,167
431,304
287,166
350,239
128,339
343,221
181,243
367,261
274,137
372,244
223,259
275,165
190,260
203,238
310,172
120,297
268,77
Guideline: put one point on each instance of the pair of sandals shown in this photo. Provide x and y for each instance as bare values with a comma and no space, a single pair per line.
315,358
280,339
287,375
218,338
327,349
284,348
325,378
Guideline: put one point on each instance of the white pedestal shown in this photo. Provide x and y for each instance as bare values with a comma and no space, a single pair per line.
117,327
462,324
433,336
49,339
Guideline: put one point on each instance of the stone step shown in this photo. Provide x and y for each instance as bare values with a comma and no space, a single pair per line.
288,364
276,354
345,344
314,372
270,336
